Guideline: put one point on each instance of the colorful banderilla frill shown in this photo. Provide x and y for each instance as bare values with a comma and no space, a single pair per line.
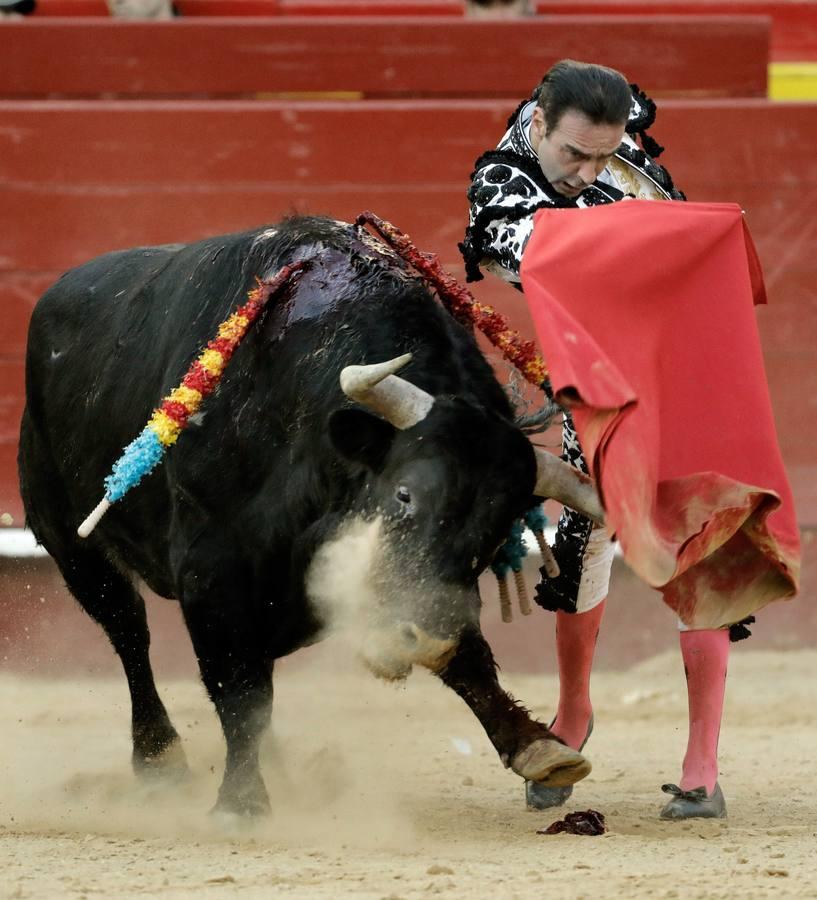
510,556
462,305
509,559
144,453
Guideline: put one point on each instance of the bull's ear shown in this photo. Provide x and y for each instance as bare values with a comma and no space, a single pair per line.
361,437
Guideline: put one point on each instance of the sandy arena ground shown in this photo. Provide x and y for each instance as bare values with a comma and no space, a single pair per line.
394,792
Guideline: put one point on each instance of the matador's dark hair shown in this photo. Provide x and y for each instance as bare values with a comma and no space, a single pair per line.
597,92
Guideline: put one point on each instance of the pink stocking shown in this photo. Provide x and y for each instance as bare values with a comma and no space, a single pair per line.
706,655
576,635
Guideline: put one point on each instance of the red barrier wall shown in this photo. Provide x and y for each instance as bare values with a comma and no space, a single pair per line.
371,7
270,7
794,22
711,57
77,179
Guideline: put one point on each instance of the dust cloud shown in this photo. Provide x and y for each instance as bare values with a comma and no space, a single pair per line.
374,796
67,767
340,582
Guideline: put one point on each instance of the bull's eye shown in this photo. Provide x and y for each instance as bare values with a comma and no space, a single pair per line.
403,494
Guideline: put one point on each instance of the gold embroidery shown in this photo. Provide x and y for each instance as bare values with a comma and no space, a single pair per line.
635,182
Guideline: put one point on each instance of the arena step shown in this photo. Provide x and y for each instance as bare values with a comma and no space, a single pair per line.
793,22
711,57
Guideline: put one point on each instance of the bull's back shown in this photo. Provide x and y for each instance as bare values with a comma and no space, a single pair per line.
83,394
81,331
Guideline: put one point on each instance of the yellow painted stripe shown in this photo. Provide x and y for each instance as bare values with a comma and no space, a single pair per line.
793,81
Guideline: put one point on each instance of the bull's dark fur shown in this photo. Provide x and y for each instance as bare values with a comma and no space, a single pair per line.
275,460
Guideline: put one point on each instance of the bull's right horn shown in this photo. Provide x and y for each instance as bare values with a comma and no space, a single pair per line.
377,387
559,481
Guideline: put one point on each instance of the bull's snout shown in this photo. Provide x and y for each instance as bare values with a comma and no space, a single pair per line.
428,651
391,653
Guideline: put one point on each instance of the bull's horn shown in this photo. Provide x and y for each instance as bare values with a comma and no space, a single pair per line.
395,399
559,481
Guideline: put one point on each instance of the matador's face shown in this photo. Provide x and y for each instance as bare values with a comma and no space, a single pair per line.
576,150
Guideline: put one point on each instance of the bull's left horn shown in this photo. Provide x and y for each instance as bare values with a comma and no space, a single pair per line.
559,481
377,387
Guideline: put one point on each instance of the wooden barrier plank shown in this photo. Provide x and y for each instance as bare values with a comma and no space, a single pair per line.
269,7
77,169
69,8
228,7
160,215
372,7
135,144
99,8
130,145
793,22
712,57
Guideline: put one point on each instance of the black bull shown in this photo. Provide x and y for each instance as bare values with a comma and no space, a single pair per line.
273,469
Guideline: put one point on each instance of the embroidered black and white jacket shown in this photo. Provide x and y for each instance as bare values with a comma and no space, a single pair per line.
507,188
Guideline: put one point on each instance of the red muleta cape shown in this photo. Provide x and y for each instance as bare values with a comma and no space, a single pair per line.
644,311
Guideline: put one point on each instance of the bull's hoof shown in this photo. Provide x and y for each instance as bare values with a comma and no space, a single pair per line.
231,824
550,763
232,815
540,796
167,764
242,797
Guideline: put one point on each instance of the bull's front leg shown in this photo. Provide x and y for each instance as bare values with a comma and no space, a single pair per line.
523,744
238,678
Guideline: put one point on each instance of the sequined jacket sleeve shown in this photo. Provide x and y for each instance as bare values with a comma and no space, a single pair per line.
502,201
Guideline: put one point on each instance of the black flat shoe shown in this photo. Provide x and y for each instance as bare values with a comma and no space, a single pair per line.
694,804
539,796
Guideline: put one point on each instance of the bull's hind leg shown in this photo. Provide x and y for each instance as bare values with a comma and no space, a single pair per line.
112,601
523,744
107,596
